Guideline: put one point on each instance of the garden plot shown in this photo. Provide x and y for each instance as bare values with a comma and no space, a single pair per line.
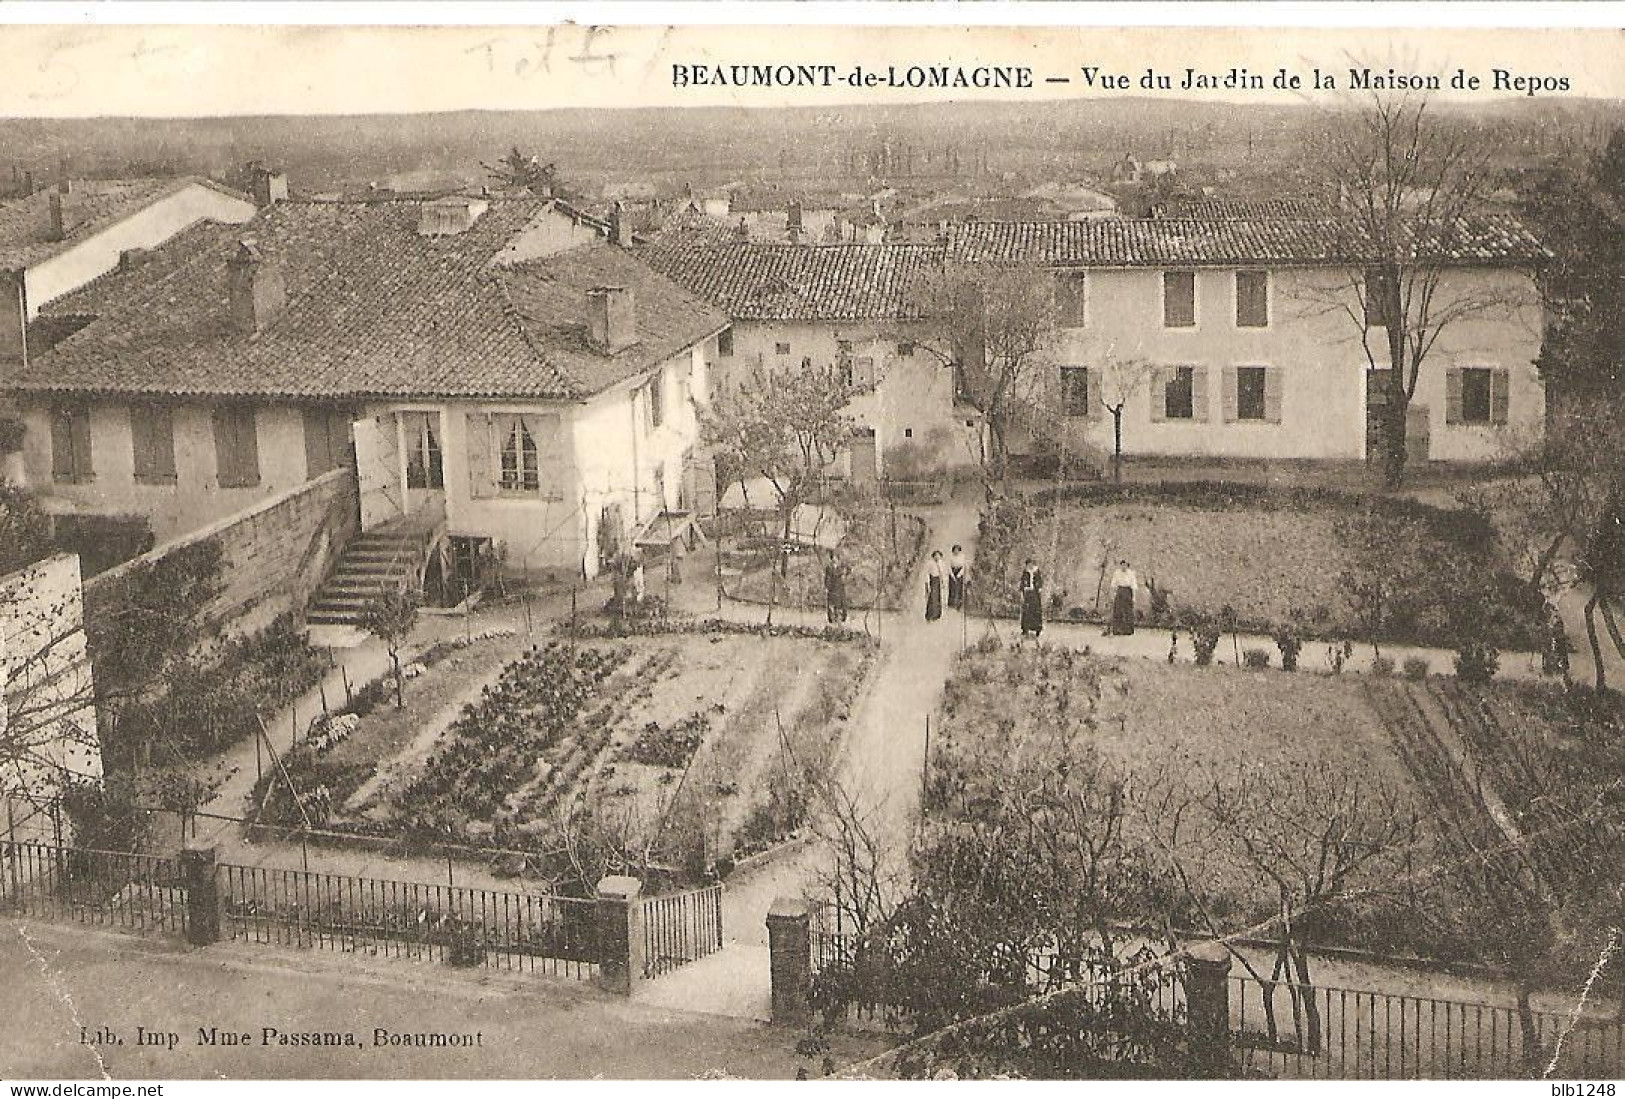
682,747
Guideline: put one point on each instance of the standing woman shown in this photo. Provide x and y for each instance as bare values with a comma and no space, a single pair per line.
934,573
1032,600
835,589
956,579
1125,586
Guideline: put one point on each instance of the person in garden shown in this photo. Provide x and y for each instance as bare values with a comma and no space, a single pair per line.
1125,586
1031,587
957,575
835,589
935,571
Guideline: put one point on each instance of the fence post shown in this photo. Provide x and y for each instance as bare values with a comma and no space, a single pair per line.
203,901
620,934
789,947
1207,1000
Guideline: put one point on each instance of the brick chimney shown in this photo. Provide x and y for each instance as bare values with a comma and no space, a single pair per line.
447,217
254,288
741,231
612,323
267,186
13,321
620,226
67,211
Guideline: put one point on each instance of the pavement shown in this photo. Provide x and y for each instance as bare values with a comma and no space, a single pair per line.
67,986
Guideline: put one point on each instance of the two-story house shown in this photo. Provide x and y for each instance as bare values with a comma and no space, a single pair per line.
852,305
492,368
1266,337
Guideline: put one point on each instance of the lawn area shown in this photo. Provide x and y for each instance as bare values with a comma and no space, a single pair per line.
1181,737
880,548
1274,556
683,751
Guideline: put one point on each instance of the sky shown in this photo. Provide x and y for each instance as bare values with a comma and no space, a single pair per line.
61,65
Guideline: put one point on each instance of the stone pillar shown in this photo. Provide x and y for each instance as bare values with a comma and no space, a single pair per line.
204,908
789,944
620,934
1207,999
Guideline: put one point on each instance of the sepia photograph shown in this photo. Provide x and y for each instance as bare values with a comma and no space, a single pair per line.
811,543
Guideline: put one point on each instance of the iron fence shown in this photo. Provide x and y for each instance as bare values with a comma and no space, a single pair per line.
107,888
681,927
527,932
1300,1031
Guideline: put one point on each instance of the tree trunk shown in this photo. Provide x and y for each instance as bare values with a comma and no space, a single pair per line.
786,518
395,662
1600,673
1311,1012
1117,444
1393,451
1533,1054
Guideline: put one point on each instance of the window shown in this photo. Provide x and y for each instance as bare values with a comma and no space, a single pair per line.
654,402
1179,394
908,433
425,467
236,448
70,446
1250,389
327,441
806,362
1075,390
864,374
152,437
843,347
905,349
1381,298
520,469
1252,299
1179,299
725,343
1476,395
1071,301
781,349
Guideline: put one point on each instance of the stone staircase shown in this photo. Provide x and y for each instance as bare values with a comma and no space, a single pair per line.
379,560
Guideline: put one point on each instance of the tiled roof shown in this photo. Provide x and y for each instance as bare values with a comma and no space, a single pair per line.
800,281
373,309
691,226
1487,240
1231,209
25,223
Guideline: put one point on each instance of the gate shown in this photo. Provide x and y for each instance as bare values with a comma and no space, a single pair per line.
680,928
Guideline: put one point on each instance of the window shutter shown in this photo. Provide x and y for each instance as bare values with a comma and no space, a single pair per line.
548,431
1499,380
1159,394
1091,393
319,457
1452,396
1272,394
152,440
81,444
62,448
1199,409
1230,398
481,455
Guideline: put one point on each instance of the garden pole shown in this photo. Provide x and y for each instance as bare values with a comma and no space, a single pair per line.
344,675
322,687
572,615
925,764
259,773
293,726
304,850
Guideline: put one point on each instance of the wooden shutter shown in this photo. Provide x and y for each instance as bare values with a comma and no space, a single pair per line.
152,441
1159,393
551,454
1091,394
319,456
1199,409
1499,381
1252,299
1231,397
1452,396
70,445
482,467
1272,394
236,448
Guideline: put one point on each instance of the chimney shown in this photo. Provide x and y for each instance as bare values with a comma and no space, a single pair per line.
741,231
612,324
793,215
447,217
67,212
131,258
28,182
620,227
254,288
267,185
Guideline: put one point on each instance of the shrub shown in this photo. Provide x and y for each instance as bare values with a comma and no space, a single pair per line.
1416,667
1161,602
1205,634
1256,658
1477,662
1337,655
103,541
1382,665
1290,645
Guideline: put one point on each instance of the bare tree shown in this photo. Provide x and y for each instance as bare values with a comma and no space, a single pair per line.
390,616
1409,182
996,324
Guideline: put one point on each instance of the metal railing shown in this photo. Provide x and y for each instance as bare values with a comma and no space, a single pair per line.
1343,1034
681,927
529,932
106,888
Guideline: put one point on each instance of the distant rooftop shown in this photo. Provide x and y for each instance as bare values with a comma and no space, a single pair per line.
26,236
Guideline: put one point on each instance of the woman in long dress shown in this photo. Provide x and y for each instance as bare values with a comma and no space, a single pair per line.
1032,600
956,578
1125,585
835,589
934,573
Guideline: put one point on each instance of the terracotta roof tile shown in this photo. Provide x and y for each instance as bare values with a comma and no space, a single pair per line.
373,309
25,223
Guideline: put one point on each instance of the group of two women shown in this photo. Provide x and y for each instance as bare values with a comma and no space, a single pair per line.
956,575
